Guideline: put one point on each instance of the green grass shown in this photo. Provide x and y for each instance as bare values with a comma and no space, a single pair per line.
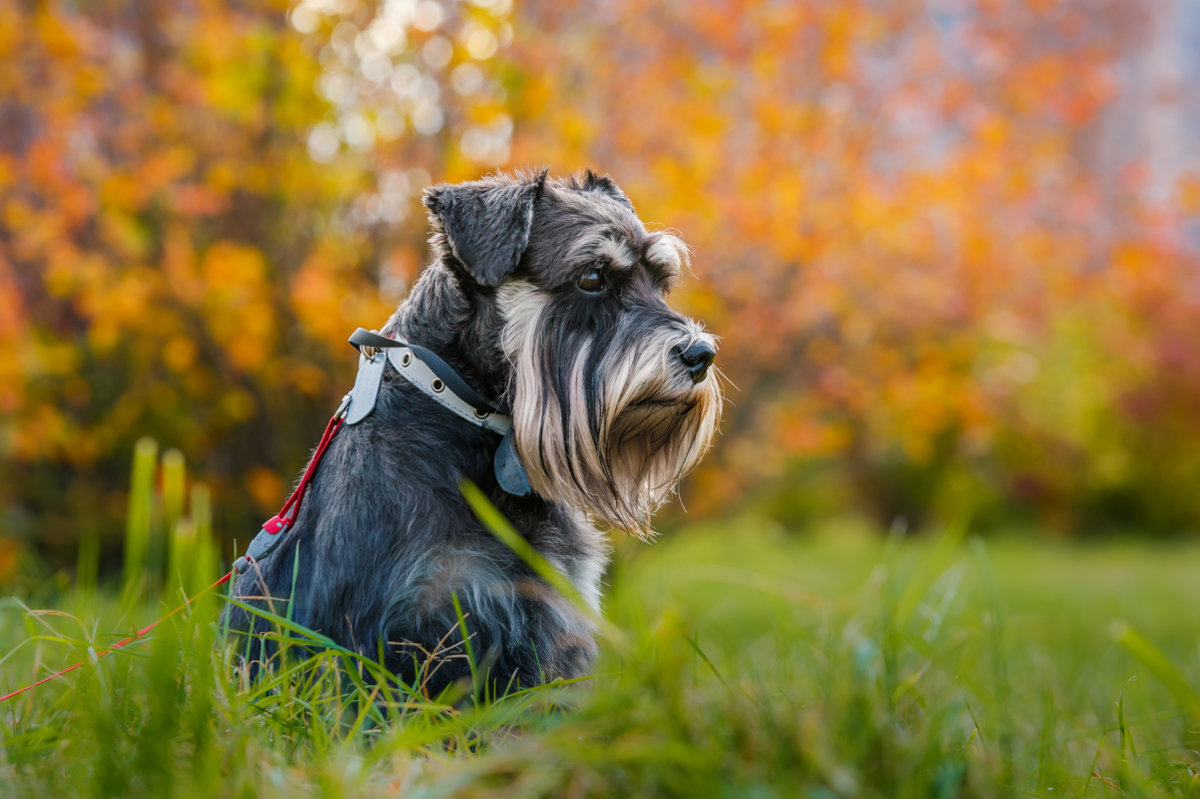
745,661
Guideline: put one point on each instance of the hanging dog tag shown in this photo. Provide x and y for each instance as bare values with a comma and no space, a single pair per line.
510,472
366,387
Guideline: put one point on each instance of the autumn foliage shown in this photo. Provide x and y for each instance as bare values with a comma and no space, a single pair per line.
930,278
939,291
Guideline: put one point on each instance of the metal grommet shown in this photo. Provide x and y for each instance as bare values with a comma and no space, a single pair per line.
406,359
481,414
437,385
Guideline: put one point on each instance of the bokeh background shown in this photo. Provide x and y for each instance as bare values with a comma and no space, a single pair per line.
950,247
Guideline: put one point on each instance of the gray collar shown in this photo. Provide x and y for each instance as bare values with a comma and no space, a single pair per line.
417,372
434,378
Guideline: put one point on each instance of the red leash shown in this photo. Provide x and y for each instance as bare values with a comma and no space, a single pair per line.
136,636
275,525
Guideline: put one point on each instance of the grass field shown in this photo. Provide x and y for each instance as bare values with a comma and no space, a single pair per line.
747,662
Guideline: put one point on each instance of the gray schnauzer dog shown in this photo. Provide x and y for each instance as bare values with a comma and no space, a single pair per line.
547,296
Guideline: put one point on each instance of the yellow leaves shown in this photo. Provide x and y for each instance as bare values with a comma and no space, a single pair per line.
103,336
119,304
18,216
63,276
89,81
52,358
157,174
8,172
823,351
993,131
234,62
48,433
256,178
222,175
11,28
55,34
841,25
121,192
236,406
179,353
576,128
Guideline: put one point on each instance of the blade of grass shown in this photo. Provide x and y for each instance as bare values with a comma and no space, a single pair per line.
285,623
466,636
1152,658
694,643
508,535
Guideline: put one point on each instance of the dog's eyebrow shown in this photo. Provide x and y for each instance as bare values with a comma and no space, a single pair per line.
601,245
666,254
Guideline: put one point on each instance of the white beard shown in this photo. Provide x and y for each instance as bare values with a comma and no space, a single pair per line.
650,426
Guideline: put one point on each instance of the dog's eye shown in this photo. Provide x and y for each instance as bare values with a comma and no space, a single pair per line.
592,282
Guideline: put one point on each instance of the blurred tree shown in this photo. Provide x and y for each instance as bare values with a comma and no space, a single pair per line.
194,214
932,275
908,234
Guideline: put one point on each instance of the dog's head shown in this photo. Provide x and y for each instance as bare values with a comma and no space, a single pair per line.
612,393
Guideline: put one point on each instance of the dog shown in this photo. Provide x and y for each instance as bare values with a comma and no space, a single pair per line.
547,297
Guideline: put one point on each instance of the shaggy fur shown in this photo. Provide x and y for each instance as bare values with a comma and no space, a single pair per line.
547,296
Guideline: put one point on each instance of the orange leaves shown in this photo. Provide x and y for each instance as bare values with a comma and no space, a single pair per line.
163,167
1189,195
194,200
837,49
32,229
891,211
330,298
179,263
266,488
13,325
316,296
238,303
173,260
156,201
55,36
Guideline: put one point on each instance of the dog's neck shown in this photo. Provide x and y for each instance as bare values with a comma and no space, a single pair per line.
439,315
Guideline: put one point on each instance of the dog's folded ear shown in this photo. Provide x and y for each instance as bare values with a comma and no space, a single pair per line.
485,223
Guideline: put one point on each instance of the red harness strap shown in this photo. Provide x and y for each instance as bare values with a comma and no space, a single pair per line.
291,508
269,537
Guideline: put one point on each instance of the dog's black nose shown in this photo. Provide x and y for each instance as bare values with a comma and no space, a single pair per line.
697,358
